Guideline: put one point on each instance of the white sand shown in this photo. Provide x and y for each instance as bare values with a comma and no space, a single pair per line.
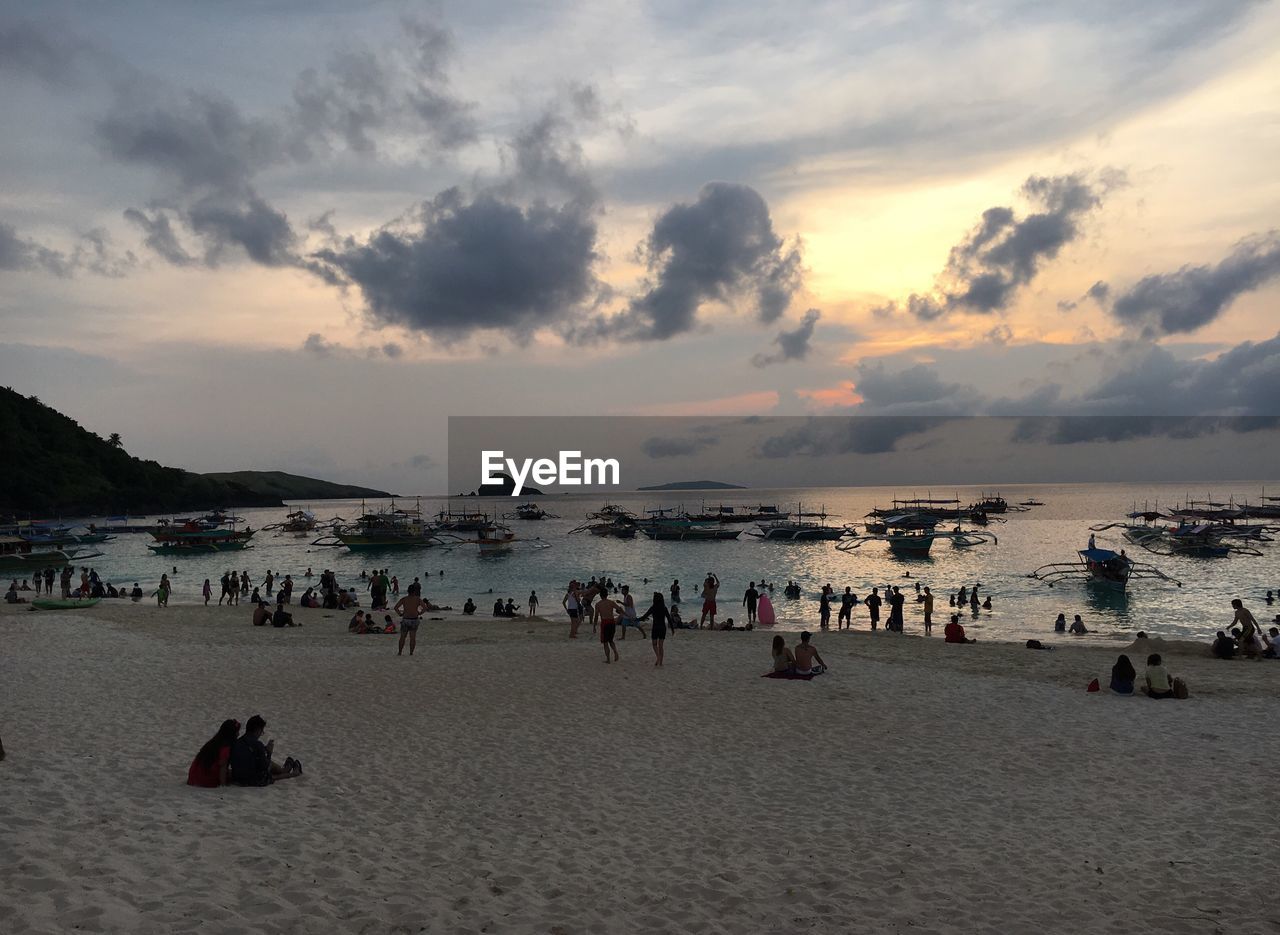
506,780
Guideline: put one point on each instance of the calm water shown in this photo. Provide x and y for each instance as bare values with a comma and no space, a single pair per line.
1022,607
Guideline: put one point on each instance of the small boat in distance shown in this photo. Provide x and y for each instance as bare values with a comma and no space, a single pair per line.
529,511
392,528
196,537
1031,502
1102,567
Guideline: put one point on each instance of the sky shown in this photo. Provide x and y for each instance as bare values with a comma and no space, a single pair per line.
301,235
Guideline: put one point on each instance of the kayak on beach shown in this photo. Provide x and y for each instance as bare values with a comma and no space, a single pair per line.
62,603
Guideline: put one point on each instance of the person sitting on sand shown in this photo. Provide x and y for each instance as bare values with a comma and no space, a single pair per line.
469,607
604,616
1272,650
309,598
783,659
410,609
953,632
510,609
135,595
1223,646
499,608
1123,676
282,618
1060,625
261,616
11,596
251,758
677,622
1078,627
211,766
1159,683
356,624
808,661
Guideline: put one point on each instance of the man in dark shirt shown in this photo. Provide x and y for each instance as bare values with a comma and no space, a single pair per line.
873,607
251,758
749,601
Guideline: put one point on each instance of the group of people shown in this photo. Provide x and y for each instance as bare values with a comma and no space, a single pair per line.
1247,638
1158,683
230,758
1077,625
803,661
90,585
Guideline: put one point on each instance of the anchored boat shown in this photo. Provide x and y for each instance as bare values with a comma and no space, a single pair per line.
1104,567
195,537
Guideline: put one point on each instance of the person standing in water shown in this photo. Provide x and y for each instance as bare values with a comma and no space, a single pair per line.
605,616
533,604
749,600
928,611
162,592
675,592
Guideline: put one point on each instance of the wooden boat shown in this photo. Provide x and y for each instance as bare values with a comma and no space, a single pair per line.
196,538
1101,567
392,528
913,534
298,522
1032,502
801,529
679,527
462,521
19,554
529,511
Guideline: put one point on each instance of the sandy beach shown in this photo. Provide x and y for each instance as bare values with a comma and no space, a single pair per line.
505,780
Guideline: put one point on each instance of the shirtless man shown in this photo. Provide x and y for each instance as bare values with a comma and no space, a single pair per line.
710,587
410,608
806,657
605,615
1248,627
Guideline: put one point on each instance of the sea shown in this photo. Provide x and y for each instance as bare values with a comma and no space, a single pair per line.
548,556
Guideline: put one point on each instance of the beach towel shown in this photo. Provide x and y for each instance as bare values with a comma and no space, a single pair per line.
789,675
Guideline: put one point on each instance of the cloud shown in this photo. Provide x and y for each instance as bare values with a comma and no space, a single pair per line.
660,447
159,235
18,254
720,248
47,52
93,253
317,344
792,345
1098,292
473,263
1004,252
1193,296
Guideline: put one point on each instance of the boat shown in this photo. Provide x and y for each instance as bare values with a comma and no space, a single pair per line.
1187,537
680,527
1032,502
55,603
1103,567
803,528
392,528
19,554
529,511
620,528
732,514
461,521
299,522
196,537
913,534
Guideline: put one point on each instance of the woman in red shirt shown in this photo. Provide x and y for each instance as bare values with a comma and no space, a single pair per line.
209,768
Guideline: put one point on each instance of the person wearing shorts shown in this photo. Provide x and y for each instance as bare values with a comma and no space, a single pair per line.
605,615
410,608
710,587
573,607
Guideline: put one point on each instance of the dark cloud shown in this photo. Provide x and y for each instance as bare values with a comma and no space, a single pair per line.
720,248
317,345
665,447
792,345
47,52
1003,252
836,435
19,254
93,253
1098,292
244,220
1193,296
393,350
159,235
473,263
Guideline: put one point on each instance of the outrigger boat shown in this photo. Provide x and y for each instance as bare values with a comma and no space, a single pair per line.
392,528
733,514
17,553
1103,567
462,521
913,534
683,528
530,511
195,537
299,521
497,539
1031,502
1201,540
610,520
801,529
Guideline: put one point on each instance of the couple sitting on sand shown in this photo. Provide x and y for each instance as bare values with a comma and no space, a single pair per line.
1159,683
228,759
804,661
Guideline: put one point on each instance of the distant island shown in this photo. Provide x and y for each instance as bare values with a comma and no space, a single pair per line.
695,485
503,488
51,466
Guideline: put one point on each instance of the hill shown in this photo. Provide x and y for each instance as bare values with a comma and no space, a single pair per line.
50,465
695,485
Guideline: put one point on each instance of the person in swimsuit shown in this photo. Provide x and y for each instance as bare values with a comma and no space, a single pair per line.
710,587
573,607
658,632
533,604
162,592
808,661
749,601
927,600
824,607
783,659
1248,627
873,607
604,615
410,608
847,600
